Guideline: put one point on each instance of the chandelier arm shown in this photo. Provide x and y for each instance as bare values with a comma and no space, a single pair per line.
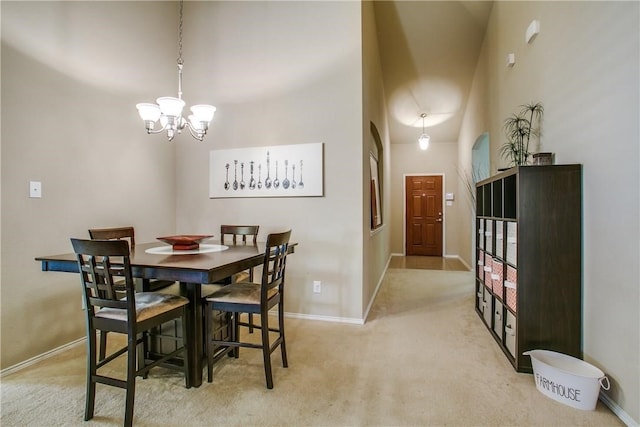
197,134
154,131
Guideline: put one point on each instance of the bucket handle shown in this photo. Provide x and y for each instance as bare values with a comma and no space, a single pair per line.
602,382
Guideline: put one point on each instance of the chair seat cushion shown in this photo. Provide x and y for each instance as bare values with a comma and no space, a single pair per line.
243,276
148,304
210,289
240,293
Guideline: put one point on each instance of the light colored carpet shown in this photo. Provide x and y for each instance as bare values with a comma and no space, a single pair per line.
423,358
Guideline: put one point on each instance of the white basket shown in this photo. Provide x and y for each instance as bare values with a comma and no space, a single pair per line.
566,379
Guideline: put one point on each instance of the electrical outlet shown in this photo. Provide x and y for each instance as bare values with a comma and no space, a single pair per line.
317,286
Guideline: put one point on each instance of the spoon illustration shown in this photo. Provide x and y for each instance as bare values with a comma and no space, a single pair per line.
252,182
226,182
242,176
276,183
235,174
267,182
300,183
293,178
285,183
260,176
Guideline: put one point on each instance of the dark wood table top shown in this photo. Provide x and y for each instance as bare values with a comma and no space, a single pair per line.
207,267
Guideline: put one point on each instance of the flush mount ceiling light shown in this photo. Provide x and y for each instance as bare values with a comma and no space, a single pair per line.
169,109
424,139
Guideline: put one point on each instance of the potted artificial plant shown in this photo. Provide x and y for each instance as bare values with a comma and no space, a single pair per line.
519,129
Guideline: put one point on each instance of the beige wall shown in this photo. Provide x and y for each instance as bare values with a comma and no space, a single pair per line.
584,68
69,121
319,103
376,243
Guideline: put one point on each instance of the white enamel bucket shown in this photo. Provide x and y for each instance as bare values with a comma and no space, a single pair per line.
567,379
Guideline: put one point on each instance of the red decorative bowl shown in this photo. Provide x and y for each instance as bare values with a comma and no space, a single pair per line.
184,242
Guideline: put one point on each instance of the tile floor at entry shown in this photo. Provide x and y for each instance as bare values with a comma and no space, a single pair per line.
427,263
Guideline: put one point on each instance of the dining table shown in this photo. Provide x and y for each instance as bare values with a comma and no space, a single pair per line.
210,263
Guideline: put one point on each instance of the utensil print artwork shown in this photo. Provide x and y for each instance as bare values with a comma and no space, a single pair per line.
235,174
285,183
267,182
293,176
276,183
283,176
252,182
300,184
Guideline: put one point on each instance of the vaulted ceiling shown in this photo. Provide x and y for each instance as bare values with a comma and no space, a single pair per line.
429,51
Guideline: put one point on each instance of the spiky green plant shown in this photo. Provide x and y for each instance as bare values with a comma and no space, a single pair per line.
519,128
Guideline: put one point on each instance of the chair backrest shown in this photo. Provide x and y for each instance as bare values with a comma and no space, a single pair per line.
99,263
239,230
115,233
273,268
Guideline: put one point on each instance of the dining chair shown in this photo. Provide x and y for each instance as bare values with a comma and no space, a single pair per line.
128,233
101,263
247,297
238,232
124,233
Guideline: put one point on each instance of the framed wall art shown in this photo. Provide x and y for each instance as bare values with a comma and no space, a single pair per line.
273,171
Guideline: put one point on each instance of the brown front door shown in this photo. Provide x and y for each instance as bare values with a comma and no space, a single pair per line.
424,215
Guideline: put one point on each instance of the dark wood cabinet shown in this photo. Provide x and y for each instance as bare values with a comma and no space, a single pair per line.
529,260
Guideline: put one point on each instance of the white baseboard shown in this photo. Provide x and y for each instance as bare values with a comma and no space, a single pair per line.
22,365
618,411
461,261
350,320
375,293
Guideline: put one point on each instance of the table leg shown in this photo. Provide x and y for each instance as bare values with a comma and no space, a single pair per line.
194,328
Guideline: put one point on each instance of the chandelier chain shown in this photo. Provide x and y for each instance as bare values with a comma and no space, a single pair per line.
180,37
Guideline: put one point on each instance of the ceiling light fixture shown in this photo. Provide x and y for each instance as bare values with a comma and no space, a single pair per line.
169,109
424,138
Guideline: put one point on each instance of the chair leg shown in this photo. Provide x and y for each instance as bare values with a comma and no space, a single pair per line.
142,355
103,345
283,347
266,350
236,334
230,332
91,372
186,353
132,360
251,314
208,345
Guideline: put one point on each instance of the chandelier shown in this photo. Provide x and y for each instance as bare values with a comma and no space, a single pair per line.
423,140
169,109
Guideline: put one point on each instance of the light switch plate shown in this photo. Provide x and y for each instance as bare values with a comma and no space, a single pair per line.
35,189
